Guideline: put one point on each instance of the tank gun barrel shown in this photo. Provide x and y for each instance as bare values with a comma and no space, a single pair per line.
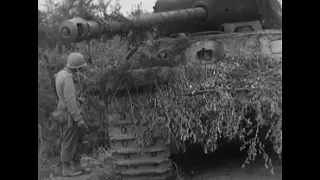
196,14
77,29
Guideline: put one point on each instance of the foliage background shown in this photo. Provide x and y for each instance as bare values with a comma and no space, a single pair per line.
100,56
217,107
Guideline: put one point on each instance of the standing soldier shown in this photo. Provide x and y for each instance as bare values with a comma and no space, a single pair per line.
72,122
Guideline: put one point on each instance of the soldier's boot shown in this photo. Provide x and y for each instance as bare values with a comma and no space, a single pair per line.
67,171
78,167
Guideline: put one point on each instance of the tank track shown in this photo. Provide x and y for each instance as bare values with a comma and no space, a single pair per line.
133,163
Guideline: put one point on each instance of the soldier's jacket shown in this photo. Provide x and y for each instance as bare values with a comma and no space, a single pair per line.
67,94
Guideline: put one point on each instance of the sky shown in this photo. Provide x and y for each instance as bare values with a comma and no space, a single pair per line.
126,4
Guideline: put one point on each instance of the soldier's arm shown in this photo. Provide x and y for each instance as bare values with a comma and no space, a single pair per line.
70,99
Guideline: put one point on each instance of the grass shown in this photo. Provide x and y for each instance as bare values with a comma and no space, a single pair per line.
100,161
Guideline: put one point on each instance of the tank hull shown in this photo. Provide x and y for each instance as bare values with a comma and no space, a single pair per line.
142,67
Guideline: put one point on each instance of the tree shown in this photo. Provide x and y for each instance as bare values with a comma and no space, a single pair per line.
136,10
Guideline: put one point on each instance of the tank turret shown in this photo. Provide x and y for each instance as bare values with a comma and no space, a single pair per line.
195,16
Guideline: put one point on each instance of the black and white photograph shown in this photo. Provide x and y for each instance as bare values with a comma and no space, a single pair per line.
160,90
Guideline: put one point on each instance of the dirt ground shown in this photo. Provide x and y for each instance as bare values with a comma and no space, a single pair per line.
194,165
252,173
231,171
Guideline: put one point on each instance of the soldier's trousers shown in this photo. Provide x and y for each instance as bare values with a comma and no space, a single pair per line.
71,145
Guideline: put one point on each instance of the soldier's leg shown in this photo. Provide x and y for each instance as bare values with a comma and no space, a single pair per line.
79,151
69,149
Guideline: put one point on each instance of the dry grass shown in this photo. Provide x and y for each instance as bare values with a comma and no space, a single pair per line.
100,162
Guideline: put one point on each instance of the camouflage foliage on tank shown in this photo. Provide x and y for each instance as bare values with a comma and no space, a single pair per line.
196,85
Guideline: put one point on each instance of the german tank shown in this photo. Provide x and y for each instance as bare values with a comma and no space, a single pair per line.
207,31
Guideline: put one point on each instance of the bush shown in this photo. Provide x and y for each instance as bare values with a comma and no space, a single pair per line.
101,55
235,101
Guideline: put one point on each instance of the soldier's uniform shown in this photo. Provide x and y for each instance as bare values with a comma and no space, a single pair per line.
67,102
72,134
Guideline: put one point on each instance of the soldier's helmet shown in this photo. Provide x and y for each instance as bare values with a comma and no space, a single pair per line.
75,60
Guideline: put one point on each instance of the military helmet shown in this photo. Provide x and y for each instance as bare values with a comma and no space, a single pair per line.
75,60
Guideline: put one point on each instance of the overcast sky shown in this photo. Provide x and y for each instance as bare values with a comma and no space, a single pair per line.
126,4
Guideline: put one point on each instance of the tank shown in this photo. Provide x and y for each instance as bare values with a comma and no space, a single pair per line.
195,16
207,31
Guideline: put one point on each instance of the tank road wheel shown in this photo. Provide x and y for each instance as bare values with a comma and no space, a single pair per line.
133,163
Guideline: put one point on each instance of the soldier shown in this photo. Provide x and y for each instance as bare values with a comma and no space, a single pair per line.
73,124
